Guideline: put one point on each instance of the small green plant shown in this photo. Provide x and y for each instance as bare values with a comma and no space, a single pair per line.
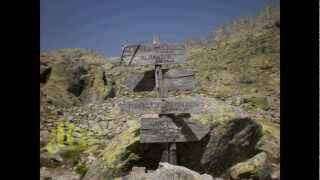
81,169
71,128
60,134
59,137
49,146
83,138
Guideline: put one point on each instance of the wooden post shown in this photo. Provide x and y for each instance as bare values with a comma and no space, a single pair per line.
159,81
169,149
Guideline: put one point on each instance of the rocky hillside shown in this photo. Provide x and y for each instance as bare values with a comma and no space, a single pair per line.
85,136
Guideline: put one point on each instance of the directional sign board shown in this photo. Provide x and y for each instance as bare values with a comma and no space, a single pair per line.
169,105
179,79
174,79
154,54
161,130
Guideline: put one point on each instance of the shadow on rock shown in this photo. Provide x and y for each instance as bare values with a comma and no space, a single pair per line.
226,145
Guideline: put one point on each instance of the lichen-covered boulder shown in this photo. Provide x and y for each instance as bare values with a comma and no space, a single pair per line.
231,143
257,167
118,156
121,150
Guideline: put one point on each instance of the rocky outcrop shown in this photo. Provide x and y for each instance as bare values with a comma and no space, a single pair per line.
231,143
118,155
228,144
243,63
73,77
114,139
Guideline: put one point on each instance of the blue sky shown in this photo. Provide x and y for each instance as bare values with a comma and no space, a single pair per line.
103,25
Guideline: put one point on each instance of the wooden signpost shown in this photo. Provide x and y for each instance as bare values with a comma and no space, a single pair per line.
168,128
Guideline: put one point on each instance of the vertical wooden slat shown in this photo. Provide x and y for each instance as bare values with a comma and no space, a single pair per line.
167,155
173,155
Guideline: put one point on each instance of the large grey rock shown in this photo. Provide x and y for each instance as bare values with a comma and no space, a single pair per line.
229,144
167,171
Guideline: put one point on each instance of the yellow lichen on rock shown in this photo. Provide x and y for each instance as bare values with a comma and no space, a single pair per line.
65,129
117,148
70,139
243,169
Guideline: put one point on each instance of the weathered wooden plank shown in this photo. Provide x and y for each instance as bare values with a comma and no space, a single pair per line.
169,105
180,84
162,130
174,79
178,72
155,54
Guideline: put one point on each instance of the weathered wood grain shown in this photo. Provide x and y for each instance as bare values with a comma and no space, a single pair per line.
178,73
164,129
174,80
180,84
169,105
154,54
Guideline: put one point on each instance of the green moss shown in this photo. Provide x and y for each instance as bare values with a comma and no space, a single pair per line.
82,169
71,152
83,143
